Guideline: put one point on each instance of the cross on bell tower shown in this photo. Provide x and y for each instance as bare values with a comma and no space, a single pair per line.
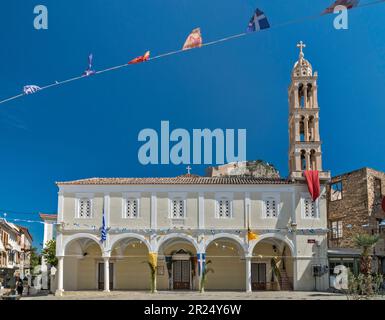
301,45
304,138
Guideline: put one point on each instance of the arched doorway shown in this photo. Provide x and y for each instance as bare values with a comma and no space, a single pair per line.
272,265
129,258
177,264
228,263
81,258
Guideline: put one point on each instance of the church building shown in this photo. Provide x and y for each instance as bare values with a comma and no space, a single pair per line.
254,232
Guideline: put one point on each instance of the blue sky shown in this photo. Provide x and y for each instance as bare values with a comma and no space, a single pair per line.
89,128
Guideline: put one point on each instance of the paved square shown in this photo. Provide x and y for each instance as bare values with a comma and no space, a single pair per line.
189,295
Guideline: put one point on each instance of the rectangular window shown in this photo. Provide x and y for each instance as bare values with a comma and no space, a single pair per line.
224,208
131,208
336,191
309,208
337,230
177,208
270,206
85,208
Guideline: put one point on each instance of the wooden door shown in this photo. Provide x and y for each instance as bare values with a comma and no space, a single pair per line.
181,275
258,276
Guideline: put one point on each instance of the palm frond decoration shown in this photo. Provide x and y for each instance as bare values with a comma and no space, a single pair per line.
205,272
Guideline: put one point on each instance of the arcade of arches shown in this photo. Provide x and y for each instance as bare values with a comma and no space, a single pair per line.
268,267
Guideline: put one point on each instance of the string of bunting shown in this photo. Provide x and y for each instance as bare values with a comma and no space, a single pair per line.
162,231
258,22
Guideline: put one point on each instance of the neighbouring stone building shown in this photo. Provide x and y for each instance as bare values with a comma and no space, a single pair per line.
354,207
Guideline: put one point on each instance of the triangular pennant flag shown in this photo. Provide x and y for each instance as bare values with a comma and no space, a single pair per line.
29,89
140,59
194,40
258,22
89,70
251,235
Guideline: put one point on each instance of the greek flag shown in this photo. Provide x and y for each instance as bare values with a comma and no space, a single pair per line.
103,234
258,22
30,89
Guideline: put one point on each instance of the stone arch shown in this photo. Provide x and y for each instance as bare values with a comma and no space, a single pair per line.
237,239
277,236
303,160
79,236
226,253
313,161
183,236
115,239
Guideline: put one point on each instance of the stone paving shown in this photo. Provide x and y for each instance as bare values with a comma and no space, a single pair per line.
193,295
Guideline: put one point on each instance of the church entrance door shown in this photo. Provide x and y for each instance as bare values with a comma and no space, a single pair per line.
181,274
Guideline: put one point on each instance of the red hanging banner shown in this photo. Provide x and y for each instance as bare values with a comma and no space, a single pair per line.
383,204
313,184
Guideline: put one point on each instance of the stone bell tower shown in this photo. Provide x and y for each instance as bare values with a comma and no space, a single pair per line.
304,138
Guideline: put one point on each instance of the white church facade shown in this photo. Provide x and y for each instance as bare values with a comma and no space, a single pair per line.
189,220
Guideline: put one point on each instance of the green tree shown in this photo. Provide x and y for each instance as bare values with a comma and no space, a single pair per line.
49,253
34,258
366,242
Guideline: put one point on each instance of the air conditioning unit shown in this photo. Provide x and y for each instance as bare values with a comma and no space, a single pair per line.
319,270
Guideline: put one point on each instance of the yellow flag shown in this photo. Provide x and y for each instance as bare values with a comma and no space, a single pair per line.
251,235
153,258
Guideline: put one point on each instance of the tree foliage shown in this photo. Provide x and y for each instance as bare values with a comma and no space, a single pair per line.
34,258
49,253
366,242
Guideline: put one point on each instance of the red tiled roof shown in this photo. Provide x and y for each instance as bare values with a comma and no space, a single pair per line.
47,216
178,180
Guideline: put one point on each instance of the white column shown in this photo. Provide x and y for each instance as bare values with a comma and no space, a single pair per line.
201,211
248,274
305,96
306,128
59,273
106,274
247,210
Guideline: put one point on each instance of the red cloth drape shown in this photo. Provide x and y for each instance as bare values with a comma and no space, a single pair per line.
313,184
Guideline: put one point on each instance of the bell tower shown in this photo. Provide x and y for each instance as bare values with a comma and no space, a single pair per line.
304,138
